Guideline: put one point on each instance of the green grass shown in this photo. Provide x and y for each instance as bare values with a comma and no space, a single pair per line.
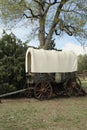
54,114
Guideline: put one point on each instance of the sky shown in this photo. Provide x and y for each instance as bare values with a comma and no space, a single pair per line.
66,43
24,32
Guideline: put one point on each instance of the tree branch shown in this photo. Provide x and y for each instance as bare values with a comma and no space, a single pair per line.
54,2
32,14
66,29
40,4
49,5
73,11
69,29
55,22
57,33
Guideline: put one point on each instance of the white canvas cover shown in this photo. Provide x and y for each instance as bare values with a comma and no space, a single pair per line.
50,61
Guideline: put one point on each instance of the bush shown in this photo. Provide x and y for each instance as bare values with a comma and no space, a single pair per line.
12,63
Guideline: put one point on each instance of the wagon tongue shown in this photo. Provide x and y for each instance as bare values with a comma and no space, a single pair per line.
12,93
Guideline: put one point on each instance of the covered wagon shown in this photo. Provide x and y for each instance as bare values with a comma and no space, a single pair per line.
50,61
51,71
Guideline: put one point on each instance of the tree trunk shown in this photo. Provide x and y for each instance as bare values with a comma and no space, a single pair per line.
42,25
41,32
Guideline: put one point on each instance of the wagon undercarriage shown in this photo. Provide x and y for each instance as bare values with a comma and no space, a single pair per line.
46,87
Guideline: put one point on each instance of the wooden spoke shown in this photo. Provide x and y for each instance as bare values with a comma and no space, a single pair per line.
29,91
73,86
43,90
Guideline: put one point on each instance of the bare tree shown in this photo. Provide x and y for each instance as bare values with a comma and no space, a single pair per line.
54,17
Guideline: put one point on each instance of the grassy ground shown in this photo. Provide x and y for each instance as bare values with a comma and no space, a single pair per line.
54,114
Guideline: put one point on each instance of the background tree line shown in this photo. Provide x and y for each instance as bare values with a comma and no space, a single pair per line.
82,63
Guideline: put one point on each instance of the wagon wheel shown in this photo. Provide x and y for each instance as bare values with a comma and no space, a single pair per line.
78,81
43,90
28,92
68,91
78,89
69,84
76,86
72,86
